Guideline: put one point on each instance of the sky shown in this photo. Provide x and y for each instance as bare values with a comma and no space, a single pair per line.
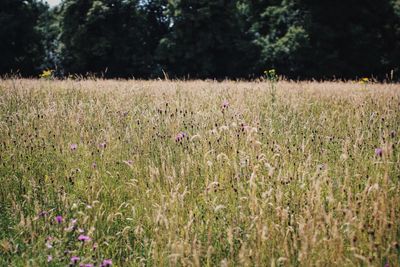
53,2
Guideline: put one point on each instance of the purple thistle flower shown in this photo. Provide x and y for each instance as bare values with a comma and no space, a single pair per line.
73,147
83,238
225,104
75,259
59,219
180,136
378,152
103,145
106,262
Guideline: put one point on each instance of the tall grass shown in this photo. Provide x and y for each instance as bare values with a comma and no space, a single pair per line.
199,173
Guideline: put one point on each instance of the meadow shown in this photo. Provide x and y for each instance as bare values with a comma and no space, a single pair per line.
199,173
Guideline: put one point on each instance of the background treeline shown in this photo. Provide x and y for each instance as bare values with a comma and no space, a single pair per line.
302,39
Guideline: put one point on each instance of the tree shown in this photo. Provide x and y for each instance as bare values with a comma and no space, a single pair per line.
280,30
21,46
113,37
352,39
205,39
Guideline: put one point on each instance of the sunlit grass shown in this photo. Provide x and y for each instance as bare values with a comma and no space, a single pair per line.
199,173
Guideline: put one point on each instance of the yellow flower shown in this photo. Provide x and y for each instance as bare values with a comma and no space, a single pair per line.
46,74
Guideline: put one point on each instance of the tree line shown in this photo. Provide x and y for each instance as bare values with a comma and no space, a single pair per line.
301,39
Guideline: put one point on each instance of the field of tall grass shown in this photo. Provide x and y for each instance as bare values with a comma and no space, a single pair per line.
201,173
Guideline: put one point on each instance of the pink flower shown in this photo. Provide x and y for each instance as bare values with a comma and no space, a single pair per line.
49,258
107,262
378,152
225,104
84,238
59,219
103,145
75,259
94,165
73,147
180,136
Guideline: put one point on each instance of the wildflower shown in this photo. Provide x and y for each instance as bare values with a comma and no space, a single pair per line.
180,136
75,259
49,258
73,147
103,145
106,262
46,74
84,238
59,219
95,245
225,104
378,152
94,165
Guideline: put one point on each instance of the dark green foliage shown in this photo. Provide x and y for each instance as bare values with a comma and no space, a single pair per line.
111,37
302,39
353,38
206,39
281,35
21,47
